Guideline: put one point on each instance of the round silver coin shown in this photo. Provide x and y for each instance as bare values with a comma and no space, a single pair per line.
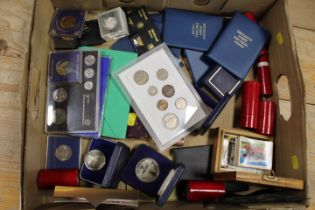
59,116
141,77
88,85
162,74
60,95
94,160
147,170
168,91
89,60
110,23
87,122
170,121
152,90
162,104
181,103
89,73
63,152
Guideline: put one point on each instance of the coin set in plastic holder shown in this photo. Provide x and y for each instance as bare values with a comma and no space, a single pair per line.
104,162
164,100
113,24
152,173
73,92
63,152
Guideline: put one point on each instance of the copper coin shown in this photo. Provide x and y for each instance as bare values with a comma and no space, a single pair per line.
152,90
59,116
162,104
147,170
94,160
141,77
162,74
168,91
170,121
60,95
68,22
63,67
63,152
181,103
89,60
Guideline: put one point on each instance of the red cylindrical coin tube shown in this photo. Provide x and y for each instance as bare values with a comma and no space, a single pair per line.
263,71
49,178
202,190
250,104
250,16
267,117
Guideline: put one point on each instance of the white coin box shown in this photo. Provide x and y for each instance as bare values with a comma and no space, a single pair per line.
161,95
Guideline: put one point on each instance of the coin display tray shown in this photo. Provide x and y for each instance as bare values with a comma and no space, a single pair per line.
166,124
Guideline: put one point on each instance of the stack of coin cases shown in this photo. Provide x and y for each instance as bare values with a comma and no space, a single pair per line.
161,95
113,24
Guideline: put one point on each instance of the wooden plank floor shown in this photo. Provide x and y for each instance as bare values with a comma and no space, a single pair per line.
15,28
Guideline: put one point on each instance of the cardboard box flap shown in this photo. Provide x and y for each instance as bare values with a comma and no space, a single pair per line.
78,4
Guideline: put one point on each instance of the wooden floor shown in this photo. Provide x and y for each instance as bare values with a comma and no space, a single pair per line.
15,28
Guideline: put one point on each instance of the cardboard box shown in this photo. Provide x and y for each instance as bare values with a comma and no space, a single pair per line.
290,139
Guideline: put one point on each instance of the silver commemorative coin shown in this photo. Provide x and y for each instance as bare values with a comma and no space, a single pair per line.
63,152
95,160
170,121
59,116
162,74
89,73
181,103
110,23
60,95
89,60
147,170
63,67
168,91
152,90
141,77
162,104
88,85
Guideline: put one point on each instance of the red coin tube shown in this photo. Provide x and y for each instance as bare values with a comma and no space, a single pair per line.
263,71
49,178
250,104
202,190
267,118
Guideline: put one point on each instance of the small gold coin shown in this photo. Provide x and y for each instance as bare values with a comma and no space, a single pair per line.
162,104
140,25
63,67
68,22
141,77
168,91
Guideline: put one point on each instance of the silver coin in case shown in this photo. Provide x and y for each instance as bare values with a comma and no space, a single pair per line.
152,90
89,60
95,160
162,74
181,103
147,170
89,73
59,116
170,121
110,23
63,152
88,85
141,77
60,95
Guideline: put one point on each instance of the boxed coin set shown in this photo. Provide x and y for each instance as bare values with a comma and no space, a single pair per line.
119,117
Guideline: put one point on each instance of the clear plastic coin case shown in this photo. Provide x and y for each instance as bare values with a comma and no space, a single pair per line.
162,96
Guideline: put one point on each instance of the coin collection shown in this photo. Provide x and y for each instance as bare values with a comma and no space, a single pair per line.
161,96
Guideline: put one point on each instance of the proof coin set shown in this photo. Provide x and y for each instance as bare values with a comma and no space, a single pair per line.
161,96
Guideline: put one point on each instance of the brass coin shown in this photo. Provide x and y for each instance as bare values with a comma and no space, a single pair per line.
68,22
162,74
60,95
140,25
170,121
110,23
147,170
63,67
162,104
88,85
63,152
141,77
59,116
152,90
89,60
94,160
168,91
89,73
150,46
181,103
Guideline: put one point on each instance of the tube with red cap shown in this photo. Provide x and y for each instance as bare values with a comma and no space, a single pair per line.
250,104
267,117
49,178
